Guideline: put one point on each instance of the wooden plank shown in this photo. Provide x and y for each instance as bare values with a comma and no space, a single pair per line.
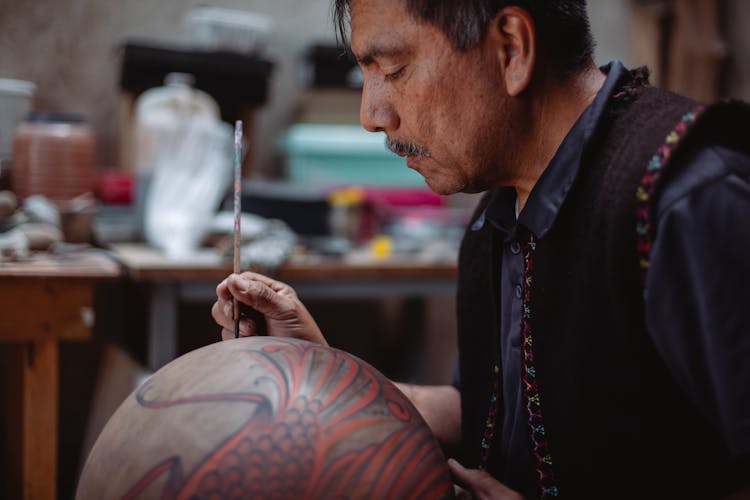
84,265
44,299
146,264
45,309
40,407
11,398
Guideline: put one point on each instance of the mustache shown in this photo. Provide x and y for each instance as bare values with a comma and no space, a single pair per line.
406,148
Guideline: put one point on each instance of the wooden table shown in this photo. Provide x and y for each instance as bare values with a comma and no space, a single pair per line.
43,301
170,281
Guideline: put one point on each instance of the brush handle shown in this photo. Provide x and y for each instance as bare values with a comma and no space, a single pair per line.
237,213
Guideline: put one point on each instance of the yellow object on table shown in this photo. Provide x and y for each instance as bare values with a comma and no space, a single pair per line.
381,247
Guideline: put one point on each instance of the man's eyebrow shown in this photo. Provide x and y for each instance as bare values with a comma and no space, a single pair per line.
369,55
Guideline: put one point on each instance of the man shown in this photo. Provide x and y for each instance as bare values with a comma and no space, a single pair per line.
603,285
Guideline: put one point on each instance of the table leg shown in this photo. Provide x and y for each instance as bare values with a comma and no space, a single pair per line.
40,407
162,325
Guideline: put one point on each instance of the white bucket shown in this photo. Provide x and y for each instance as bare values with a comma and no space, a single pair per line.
16,98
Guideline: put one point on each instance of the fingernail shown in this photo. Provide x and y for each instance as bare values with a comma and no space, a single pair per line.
228,309
242,283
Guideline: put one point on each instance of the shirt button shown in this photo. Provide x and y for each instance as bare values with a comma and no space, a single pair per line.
519,291
515,247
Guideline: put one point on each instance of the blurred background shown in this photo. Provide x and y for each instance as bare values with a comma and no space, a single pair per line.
72,51
117,118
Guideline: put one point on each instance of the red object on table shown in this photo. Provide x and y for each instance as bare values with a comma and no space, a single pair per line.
115,187
382,203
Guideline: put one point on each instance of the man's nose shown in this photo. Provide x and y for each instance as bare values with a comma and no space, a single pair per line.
376,112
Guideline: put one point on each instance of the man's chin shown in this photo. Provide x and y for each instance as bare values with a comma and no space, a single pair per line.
444,189
441,185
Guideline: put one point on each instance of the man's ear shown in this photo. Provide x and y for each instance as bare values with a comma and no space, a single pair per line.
514,34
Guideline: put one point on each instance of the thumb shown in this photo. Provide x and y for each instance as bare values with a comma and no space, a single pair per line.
469,479
481,484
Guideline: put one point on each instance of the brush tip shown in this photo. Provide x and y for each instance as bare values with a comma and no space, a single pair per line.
238,132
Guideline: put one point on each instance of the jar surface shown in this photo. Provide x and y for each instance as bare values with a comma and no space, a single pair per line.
53,155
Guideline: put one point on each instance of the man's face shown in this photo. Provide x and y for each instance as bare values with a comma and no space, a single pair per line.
441,108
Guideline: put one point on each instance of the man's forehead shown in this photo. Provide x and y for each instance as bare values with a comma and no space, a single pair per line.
387,7
379,28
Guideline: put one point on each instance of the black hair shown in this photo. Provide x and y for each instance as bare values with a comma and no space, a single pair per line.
562,26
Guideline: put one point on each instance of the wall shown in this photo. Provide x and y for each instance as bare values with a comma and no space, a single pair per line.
610,24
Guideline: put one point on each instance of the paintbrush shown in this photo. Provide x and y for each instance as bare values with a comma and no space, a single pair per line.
237,214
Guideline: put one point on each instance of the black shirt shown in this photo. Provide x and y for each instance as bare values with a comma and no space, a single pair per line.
699,271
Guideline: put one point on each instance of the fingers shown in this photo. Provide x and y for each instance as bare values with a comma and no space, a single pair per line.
261,293
481,484
267,307
466,478
237,281
247,329
220,314
252,322
227,335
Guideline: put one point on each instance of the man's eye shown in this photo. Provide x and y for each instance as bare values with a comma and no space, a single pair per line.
395,74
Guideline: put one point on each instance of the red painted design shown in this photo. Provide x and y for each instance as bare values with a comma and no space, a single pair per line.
288,446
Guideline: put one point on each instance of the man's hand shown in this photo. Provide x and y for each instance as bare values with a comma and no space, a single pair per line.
281,314
480,484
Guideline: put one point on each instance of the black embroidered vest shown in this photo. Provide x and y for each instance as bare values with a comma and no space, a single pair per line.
616,423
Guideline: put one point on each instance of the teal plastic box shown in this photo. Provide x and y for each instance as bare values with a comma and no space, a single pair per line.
327,155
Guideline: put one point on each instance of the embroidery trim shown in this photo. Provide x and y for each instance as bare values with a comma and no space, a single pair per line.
489,425
539,444
647,186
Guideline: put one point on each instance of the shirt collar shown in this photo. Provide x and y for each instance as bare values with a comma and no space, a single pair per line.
551,189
